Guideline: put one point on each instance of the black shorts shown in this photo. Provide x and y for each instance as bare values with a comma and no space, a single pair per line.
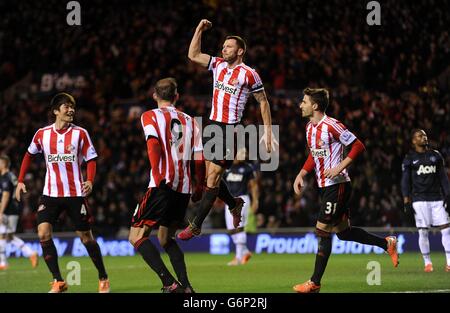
161,206
334,205
50,208
223,142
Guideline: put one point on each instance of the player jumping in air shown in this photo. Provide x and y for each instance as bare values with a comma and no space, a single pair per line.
233,82
426,192
9,216
326,139
65,146
172,138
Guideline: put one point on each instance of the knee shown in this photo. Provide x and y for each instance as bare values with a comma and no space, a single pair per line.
343,235
87,239
132,238
44,234
165,242
423,232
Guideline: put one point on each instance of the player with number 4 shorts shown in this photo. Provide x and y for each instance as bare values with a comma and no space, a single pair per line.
65,146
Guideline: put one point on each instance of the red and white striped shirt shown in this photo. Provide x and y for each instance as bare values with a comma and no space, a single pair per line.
231,89
179,137
63,154
326,142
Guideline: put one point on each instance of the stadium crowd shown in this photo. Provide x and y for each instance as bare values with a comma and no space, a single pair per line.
383,82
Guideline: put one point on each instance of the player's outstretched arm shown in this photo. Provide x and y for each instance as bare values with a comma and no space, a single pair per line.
270,142
195,54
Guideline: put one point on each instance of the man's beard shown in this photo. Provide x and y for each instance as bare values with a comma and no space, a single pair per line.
231,59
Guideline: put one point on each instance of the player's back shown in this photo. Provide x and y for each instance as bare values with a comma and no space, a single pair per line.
178,136
425,181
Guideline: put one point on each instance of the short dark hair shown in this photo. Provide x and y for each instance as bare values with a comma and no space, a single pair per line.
6,159
166,89
61,98
240,42
319,96
415,131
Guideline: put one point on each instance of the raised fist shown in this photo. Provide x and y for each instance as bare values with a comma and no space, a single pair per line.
204,25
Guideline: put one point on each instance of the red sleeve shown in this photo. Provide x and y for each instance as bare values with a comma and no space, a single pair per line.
91,170
25,165
154,155
200,172
309,164
357,149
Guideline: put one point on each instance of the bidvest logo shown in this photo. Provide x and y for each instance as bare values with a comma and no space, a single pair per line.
428,169
227,88
320,153
61,157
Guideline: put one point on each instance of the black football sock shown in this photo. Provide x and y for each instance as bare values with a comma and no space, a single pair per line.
95,253
225,195
323,253
209,196
177,259
361,236
51,258
153,259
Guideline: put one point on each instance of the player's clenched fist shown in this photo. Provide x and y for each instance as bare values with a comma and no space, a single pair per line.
204,25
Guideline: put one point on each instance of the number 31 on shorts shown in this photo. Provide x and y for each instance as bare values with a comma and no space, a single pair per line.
331,208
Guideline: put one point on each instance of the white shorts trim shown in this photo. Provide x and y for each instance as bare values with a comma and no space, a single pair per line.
244,213
9,224
430,213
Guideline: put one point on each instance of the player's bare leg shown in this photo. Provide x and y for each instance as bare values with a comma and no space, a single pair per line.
51,257
166,237
139,238
95,254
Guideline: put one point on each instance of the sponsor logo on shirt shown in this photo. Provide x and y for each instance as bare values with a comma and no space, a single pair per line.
426,169
224,87
61,157
320,153
235,177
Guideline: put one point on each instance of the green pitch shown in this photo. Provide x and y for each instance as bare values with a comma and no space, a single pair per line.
264,273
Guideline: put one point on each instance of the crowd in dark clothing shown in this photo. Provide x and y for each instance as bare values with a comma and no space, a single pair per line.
384,81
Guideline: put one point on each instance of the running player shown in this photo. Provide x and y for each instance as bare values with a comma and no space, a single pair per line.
326,138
